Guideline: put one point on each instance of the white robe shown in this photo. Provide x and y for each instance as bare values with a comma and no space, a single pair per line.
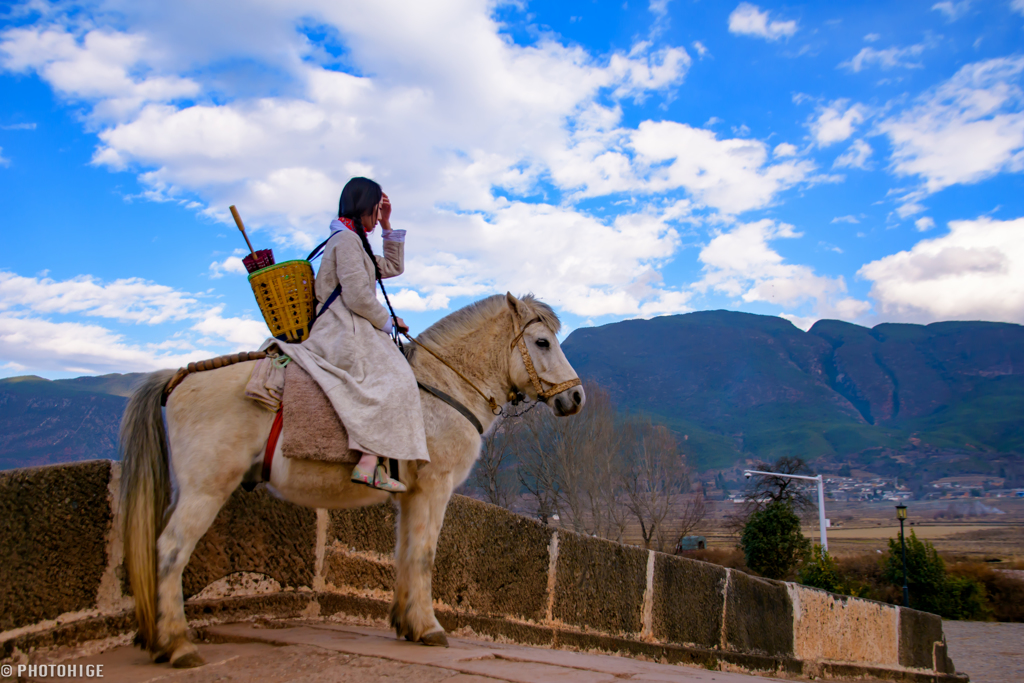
348,353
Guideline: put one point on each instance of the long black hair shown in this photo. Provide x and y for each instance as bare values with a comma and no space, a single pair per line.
360,197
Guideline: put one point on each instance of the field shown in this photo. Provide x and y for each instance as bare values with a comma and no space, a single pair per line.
865,527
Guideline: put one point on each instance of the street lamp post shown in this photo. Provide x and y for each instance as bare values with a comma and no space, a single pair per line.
821,497
901,514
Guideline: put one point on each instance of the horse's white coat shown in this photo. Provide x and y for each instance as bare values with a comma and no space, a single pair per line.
216,435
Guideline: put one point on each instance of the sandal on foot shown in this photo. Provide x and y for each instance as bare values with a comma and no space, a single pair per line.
378,479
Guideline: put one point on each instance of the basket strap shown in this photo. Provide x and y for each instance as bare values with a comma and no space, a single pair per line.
330,300
319,248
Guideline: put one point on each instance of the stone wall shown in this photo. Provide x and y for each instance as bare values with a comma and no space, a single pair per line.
496,574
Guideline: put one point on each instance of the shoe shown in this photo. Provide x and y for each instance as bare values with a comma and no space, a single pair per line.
378,479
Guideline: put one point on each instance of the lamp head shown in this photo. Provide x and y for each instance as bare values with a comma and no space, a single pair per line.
747,475
901,511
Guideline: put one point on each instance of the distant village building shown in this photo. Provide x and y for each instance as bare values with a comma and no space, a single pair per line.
691,543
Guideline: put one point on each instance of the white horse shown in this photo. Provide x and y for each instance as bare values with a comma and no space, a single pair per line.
216,435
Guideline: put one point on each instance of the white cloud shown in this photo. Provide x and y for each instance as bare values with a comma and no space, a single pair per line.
3,160
836,122
127,300
242,334
872,37
46,346
845,219
700,48
658,7
19,126
975,272
885,59
30,338
855,157
731,175
924,224
784,149
969,128
1017,6
411,300
232,264
952,10
749,20
741,263
465,131
102,65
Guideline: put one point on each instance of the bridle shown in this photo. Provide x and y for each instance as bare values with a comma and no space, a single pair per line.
515,396
530,370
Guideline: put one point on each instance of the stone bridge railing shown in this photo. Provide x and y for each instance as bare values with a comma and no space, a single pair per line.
497,574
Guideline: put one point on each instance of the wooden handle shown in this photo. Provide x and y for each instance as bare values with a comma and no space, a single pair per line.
238,222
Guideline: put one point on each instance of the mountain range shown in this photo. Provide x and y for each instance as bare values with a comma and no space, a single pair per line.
732,386
44,422
737,385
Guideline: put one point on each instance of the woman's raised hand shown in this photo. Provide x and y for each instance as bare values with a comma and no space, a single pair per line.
385,212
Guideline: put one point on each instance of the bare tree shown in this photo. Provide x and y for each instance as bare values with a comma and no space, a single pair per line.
654,477
494,473
537,471
684,520
585,451
763,490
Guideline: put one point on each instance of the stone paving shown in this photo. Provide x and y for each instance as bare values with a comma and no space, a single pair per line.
987,652
319,652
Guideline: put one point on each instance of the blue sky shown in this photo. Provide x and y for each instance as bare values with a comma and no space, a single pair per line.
859,161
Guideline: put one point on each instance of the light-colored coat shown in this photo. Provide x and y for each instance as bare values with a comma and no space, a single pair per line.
362,372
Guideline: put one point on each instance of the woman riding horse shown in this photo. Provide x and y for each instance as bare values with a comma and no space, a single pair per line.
350,352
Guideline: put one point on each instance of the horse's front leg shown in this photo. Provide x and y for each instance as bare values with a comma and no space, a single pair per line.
421,513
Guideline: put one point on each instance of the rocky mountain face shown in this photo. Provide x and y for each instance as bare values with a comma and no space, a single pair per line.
44,422
736,385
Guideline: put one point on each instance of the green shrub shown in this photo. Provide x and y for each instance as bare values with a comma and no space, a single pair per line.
821,570
931,588
771,540
1004,592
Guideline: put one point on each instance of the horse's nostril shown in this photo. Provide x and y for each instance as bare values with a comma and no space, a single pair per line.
576,397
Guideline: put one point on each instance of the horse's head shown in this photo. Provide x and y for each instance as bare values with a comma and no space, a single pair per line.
550,379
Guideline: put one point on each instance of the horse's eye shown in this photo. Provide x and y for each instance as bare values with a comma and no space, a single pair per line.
543,343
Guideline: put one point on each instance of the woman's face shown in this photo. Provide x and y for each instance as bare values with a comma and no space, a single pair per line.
371,219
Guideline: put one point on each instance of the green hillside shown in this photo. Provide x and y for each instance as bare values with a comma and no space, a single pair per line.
44,422
736,385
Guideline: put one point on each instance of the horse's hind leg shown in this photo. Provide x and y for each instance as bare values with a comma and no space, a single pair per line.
214,435
192,516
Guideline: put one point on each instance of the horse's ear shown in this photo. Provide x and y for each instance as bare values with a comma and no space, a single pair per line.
514,304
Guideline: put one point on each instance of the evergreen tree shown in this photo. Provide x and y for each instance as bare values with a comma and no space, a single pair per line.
772,542
931,589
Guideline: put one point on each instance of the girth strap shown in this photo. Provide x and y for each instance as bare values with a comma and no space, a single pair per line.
275,434
466,413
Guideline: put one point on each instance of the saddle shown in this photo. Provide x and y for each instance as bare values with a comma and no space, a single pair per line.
313,430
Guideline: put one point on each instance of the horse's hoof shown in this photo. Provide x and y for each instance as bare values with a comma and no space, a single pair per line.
189,660
162,657
435,639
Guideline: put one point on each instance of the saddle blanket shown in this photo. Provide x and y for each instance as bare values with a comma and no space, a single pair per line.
312,430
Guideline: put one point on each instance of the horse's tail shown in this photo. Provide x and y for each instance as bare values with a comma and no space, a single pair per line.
145,495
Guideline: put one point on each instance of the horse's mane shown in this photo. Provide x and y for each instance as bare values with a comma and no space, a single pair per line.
457,325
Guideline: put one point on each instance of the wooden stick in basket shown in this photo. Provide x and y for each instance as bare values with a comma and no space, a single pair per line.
238,222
